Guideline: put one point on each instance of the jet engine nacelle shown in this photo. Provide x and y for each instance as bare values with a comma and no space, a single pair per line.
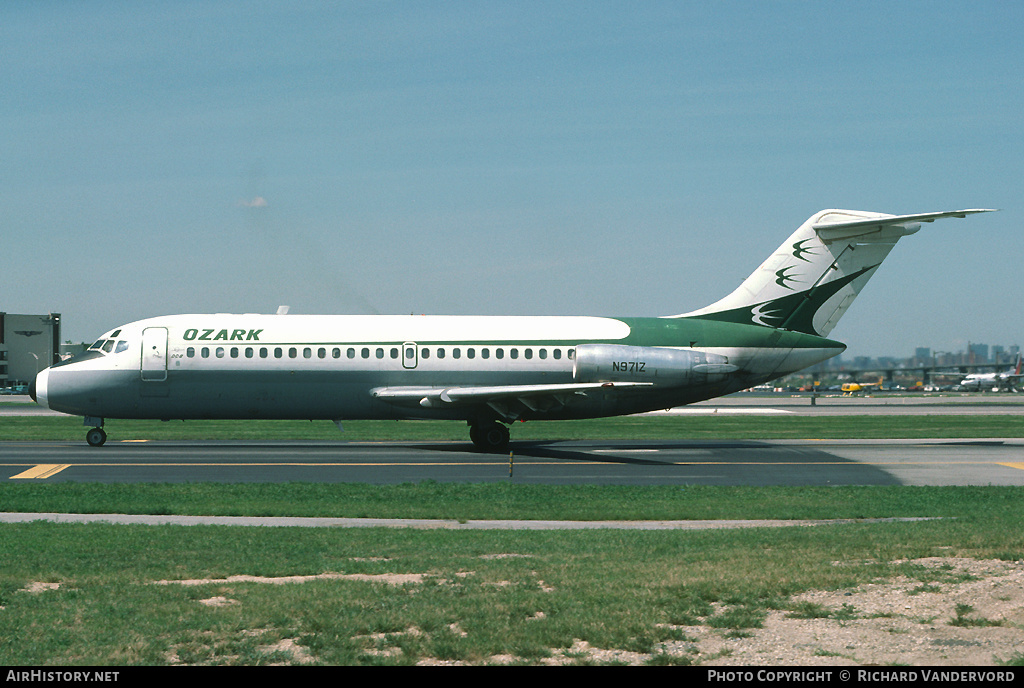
662,366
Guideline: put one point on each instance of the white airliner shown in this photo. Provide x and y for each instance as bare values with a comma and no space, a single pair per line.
979,381
487,371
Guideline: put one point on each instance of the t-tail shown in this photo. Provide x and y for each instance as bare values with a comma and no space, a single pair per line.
811,280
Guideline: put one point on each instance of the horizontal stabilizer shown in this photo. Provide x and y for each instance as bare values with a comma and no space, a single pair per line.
848,229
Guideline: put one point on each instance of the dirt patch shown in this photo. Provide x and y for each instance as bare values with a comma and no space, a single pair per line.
297,653
37,587
388,578
974,621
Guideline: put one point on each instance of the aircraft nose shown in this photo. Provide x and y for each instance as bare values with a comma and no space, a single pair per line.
37,388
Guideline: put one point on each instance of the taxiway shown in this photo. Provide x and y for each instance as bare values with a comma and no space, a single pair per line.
996,461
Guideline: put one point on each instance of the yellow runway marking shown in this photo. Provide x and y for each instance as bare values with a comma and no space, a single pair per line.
1019,466
42,471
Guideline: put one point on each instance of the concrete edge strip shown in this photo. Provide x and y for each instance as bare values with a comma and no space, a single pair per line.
304,522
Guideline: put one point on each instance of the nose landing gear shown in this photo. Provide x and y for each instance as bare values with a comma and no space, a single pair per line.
97,435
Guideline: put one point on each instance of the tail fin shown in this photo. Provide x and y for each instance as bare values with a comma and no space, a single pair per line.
810,281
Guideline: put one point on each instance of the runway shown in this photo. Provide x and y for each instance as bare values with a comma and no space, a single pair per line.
679,462
689,462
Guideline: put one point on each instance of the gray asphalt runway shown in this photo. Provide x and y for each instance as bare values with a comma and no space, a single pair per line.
690,462
829,462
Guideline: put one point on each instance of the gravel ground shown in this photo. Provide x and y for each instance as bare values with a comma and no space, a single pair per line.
976,622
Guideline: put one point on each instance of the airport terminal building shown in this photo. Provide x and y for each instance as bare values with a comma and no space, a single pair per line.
28,344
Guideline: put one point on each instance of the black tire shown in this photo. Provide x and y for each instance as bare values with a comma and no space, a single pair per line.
96,437
492,438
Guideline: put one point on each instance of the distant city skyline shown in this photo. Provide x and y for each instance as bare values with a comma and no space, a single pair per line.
978,354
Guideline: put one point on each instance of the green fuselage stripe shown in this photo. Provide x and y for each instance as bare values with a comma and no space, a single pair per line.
698,332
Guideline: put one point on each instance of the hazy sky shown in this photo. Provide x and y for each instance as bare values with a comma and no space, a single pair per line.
601,158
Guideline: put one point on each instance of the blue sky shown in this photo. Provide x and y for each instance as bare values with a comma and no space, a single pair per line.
603,158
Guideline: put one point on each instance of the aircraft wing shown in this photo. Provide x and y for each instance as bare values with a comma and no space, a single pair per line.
501,398
831,231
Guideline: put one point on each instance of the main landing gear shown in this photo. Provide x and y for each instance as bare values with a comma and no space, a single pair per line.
96,436
489,436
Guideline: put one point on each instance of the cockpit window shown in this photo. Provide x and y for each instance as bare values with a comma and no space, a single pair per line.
109,345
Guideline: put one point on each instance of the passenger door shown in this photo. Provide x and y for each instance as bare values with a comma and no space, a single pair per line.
154,354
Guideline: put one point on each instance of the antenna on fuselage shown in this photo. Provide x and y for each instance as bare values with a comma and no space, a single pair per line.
282,310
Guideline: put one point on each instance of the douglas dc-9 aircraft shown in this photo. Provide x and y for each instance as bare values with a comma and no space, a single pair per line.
488,371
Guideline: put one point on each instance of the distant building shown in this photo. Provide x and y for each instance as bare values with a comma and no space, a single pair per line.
28,344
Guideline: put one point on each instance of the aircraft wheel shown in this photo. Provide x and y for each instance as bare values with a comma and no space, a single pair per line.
96,437
490,437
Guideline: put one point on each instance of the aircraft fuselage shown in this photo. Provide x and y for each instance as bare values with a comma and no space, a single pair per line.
328,367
